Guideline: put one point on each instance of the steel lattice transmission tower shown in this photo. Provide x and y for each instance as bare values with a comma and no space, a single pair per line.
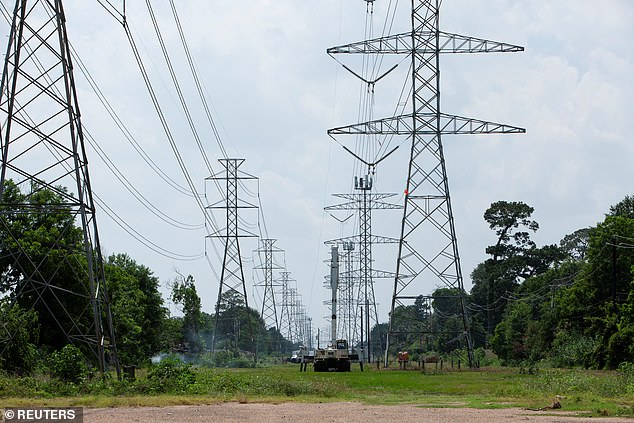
428,250
60,275
269,312
364,202
232,291
286,322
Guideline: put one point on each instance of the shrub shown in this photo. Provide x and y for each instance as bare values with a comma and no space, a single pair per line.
572,350
171,375
68,364
18,354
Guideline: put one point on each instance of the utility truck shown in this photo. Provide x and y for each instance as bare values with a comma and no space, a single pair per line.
336,357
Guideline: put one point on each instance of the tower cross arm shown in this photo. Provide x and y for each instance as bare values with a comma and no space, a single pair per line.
421,41
426,124
455,43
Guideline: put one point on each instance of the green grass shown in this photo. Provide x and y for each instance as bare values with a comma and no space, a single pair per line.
595,392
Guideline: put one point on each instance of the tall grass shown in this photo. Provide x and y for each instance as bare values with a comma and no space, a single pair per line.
596,391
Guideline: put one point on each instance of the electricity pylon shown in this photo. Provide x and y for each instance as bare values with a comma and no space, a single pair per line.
269,312
286,321
59,275
232,291
428,249
364,202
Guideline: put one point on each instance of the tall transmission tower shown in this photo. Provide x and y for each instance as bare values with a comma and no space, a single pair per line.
269,312
286,322
232,291
59,275
364,202
423,262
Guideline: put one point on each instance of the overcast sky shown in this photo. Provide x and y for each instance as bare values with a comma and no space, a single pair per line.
274,93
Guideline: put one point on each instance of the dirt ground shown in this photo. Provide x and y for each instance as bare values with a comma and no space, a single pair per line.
326,413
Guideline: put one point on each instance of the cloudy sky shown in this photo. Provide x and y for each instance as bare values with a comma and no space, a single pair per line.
274,92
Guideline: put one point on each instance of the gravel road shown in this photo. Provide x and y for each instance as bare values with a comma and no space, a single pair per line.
326,413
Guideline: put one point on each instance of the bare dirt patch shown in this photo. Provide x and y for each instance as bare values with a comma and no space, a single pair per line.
337,412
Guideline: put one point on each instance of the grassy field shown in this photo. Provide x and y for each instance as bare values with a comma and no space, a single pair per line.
596,392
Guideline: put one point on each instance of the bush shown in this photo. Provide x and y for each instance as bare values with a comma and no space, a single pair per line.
626,371
226,359
68,364
572,350
18,353
171,375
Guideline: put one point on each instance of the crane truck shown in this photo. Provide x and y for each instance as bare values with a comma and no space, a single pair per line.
336,357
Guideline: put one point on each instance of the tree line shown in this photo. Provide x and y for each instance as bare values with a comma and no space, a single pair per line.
570,304
30,332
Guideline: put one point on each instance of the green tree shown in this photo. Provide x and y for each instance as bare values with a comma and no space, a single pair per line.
575,245
598,305
42,258
184,294
624,208
514,258
137,307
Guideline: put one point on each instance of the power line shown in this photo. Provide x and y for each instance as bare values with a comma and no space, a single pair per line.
132,189
201,94
122,127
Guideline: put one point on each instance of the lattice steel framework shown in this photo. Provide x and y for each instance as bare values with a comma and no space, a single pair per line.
424,262
61,276
232,283
364,202
286,323
265,252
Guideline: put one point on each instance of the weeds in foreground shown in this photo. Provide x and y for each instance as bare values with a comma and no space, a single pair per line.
173,382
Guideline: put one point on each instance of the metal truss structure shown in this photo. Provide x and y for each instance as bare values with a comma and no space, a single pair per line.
232,291
266,252
286,322
45,179
295,325
363,202
432,260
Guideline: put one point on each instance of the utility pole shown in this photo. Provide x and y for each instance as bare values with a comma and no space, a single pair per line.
43,150
428,248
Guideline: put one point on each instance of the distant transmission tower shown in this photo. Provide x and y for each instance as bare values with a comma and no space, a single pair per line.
59,274
232,291
364,202
269,312
428,250
286,321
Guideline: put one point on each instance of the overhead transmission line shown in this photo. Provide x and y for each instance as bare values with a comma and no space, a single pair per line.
124,130
107,210
164,124
179,91
209,218
132,189
192,68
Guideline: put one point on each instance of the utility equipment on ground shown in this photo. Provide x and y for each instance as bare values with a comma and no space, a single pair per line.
336,357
